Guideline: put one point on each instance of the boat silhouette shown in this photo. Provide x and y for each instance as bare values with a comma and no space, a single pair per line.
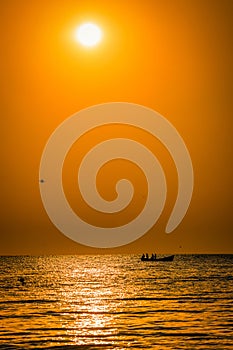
165,258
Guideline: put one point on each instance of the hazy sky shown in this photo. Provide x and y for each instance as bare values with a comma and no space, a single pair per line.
172,56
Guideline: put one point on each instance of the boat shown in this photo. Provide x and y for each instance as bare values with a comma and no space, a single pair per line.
165,258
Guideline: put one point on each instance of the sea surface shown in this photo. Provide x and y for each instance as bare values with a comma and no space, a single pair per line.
116,302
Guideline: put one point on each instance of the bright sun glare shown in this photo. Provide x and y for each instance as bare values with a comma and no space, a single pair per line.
88,34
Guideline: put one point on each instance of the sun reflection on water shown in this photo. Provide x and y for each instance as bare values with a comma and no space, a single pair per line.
89,310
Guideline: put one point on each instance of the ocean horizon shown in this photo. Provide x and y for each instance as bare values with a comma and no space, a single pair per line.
116,302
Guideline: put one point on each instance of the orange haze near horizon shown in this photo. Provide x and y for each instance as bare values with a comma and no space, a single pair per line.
172,56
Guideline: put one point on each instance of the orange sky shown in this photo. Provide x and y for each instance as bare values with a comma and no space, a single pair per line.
172,56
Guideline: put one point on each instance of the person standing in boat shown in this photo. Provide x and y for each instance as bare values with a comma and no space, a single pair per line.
147,256
152,257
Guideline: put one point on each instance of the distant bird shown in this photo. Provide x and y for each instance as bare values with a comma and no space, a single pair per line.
22,280
42,181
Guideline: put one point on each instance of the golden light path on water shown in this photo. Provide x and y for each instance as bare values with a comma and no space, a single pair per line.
98,316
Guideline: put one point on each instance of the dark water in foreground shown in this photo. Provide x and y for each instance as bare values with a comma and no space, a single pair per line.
116,302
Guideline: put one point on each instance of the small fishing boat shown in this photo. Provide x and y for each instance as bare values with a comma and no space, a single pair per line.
165,258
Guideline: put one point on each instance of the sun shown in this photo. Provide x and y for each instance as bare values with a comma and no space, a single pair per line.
88,34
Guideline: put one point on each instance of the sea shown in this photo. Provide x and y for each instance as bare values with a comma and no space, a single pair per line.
116,302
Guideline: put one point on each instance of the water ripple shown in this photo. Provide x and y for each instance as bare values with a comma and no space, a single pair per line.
116,302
